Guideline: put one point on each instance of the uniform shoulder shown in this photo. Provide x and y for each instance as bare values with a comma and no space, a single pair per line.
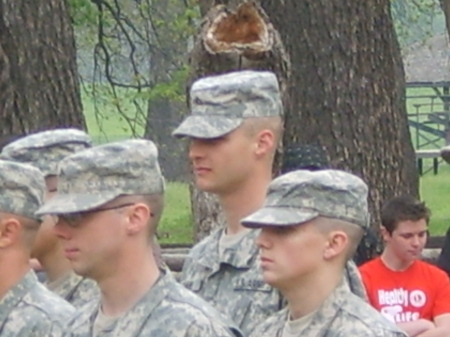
363,320
271,325
49,304
191,307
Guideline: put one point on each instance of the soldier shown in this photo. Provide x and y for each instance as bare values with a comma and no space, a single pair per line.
27,308
311,225
313,157
45,150
109,201
234,131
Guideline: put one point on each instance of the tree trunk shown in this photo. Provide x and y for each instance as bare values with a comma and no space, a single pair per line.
38,76
445,5
347,91
221,47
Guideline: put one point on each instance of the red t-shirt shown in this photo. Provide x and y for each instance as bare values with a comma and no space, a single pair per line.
421,291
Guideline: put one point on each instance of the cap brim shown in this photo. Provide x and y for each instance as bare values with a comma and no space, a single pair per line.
278,216
72,203
206,126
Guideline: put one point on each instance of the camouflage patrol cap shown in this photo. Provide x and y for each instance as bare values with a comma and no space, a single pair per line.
22,189
93,177
219,104
46,149
300,196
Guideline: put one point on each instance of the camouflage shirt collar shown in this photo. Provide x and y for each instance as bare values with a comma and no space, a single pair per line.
16,294
137,313
240,255
68,285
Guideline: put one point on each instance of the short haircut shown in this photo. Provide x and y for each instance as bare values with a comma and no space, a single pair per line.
354,232
403,208
156,204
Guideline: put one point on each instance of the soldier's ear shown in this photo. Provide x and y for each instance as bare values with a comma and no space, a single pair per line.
265,142
138,218
337,242
9,231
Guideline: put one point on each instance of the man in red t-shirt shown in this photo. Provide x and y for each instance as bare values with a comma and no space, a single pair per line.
412,293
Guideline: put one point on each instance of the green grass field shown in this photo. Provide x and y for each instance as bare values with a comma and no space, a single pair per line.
176,224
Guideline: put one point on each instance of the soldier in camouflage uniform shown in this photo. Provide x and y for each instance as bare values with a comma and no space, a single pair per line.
45,150
27,308
109,201
314,158
311,224
234,130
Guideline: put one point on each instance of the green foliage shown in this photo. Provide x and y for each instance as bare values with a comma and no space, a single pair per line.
83,12
416,21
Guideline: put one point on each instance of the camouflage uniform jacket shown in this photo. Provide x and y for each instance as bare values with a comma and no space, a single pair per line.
166,310
30,310
233,284
342,314
77,290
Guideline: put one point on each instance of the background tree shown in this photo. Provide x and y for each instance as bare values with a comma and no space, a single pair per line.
39,86
134,54
347,92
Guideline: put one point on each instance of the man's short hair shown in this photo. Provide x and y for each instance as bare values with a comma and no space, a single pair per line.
403,208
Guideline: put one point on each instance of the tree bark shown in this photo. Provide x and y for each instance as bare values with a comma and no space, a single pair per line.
39,86
347,92
230,50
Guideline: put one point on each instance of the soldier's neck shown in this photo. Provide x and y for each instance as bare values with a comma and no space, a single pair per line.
12,269
128,282
242,202
307,294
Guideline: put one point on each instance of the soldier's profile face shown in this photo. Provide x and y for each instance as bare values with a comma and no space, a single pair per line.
289,254
95,241
222,164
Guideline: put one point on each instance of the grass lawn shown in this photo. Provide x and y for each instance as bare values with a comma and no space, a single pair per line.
435,191
176,224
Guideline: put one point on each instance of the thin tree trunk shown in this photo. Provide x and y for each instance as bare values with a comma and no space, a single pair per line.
39,86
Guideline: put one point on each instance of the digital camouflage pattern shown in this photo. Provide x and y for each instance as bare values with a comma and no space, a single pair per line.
342,314
93,177
232,283
46,149
30,310
76,290
22,189
353,278
300,196
167,310
219,104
